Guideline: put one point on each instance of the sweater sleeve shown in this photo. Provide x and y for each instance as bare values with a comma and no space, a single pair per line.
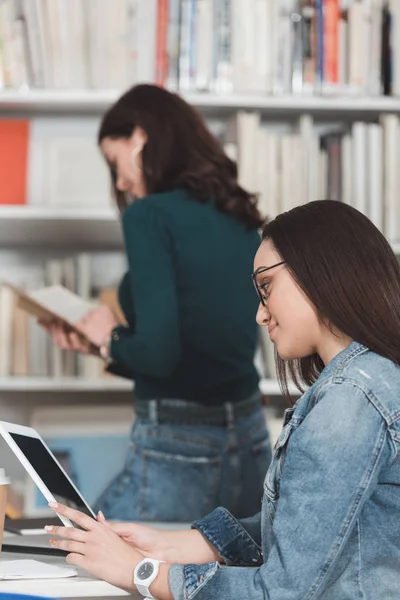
153,347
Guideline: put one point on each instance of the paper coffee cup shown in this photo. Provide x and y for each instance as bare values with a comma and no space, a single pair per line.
4,483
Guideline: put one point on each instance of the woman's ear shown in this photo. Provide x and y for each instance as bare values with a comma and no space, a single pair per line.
138,139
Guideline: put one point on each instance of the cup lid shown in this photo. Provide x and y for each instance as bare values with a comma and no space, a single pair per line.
3,479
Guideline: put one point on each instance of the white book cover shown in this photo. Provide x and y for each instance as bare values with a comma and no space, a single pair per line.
375,48
40,350
273,21
57,35
73,44
391,138
263,48
347,169
44,42
243,45
323,175
261,160
34,42
273,176
359,154
375,174
204,44
6,330
65,167
20,344
116,40
297,172
146,41
286,171
248,124
308,175
51,51
54,275
356,44
18,55
96,46
284,47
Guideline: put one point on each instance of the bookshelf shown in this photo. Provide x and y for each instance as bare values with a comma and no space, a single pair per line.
41,226
58,228
27,226
80,385
97,101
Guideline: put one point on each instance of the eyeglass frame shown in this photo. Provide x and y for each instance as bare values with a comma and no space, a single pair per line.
258,272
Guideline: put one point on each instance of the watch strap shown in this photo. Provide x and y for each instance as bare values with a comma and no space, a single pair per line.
142,589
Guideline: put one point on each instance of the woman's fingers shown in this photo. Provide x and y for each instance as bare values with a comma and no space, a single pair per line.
69,546
71,533
76,516
76,343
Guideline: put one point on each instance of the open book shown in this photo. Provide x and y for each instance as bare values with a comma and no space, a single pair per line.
54,303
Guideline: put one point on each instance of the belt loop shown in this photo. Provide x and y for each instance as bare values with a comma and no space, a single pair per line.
153,412
230,418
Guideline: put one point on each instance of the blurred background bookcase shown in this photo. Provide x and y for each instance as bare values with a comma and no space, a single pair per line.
303,94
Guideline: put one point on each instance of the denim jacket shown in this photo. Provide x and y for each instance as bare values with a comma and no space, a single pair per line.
329,526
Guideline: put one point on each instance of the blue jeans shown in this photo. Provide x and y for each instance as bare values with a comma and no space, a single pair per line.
179,471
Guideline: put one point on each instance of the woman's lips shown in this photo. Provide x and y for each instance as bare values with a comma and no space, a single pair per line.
271,330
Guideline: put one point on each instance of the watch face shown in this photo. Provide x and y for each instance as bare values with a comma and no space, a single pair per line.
145,571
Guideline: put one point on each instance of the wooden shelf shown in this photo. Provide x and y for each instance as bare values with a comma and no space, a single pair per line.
97,101
79,385
35,226
64,384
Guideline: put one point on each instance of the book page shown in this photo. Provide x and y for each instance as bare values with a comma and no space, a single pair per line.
62,302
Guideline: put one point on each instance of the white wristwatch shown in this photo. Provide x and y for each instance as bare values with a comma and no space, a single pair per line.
144,575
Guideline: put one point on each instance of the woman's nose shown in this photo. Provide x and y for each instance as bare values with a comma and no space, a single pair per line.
263,316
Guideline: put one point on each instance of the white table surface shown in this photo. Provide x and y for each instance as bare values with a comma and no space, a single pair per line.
82,586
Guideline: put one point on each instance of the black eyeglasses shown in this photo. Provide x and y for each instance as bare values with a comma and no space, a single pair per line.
254,276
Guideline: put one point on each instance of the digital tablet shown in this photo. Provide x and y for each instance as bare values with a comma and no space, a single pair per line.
43,467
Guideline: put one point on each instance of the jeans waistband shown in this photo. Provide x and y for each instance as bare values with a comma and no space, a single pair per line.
171,410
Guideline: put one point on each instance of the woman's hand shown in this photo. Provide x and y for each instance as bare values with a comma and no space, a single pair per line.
96,548
66,340
183,547
97,324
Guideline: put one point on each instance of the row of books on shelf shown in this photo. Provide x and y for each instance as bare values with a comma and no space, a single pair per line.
57,164
52,162
357,164
26,348
262,46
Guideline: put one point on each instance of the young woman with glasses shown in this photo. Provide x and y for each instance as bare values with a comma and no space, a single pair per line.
329,526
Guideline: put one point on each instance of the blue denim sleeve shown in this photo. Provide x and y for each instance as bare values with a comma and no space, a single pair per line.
232,538
332,465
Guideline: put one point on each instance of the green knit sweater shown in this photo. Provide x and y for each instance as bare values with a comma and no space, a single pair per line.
189,301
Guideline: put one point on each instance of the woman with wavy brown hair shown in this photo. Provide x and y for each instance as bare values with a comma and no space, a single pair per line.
190,231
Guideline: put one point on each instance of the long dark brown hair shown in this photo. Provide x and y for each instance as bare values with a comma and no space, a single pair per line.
179,152
348,270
